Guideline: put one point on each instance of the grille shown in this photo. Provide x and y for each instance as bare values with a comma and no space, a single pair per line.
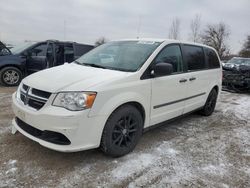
33,98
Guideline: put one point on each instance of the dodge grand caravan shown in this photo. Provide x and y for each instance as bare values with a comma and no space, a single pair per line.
107,97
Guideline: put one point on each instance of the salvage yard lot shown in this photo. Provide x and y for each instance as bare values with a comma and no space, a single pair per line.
193,151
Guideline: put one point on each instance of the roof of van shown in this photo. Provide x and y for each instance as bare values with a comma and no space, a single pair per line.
165,41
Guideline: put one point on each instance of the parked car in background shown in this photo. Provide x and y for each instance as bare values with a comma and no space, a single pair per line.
236,74
110,95
31,57
223,62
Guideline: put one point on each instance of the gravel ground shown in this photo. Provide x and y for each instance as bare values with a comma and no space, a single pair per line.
194,151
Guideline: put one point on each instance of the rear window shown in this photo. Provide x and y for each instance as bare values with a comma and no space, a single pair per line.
213,61
194,57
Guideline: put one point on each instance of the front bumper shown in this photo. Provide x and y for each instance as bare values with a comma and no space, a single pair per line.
83,132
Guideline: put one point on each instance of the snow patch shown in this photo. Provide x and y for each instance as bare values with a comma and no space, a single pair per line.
5,130
215,170
11,167
133,164
12,162
12,170
75,176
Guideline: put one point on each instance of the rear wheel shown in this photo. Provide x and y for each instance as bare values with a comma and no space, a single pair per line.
122,131
10,76
210,104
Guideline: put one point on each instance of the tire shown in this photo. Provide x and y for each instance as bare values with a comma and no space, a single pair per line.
10,76
210,104
122,131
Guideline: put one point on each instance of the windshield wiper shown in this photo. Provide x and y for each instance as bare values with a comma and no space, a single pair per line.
95,65
92,65
100,66
77,62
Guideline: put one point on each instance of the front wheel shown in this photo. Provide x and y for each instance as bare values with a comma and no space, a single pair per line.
122,131
10,76
210,104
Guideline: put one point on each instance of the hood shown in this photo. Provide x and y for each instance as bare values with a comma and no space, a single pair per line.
69,77
4,50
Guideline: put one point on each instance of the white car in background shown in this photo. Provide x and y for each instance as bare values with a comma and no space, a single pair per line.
108,100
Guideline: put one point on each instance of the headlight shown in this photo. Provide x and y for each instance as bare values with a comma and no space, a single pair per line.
74,101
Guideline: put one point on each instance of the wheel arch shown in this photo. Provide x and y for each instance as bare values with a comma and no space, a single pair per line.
137,105
216,87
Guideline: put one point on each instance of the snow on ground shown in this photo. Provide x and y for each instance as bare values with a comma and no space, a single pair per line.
195,151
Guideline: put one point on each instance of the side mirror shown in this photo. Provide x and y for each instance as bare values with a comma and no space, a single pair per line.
162,69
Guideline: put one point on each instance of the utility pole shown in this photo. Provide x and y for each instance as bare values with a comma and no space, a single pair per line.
139,27
64,29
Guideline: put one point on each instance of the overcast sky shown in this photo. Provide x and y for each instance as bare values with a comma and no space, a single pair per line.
87,20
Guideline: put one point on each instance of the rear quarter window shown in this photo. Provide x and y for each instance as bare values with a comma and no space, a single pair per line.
212,58
194,56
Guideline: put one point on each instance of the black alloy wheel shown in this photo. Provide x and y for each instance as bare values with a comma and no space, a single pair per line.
210,104
122,131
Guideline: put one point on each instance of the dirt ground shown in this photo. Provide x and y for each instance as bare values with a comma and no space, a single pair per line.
194,151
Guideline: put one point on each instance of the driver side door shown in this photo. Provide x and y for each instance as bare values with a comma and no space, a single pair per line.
168,92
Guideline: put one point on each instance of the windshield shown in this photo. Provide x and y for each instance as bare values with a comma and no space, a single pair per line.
123,55
239,61
21,47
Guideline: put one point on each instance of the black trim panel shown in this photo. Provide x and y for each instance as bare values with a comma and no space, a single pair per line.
170,120
180,100
48,136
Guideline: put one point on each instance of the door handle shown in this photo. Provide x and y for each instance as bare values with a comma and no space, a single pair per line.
192,78
182,80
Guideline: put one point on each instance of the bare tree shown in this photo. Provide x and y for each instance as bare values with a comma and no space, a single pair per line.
100,41
174,31
216,35
195,28
245,51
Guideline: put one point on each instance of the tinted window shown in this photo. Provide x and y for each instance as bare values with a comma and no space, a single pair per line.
194,57
68,50
172,55
82,49
68,53
39,50
50,55
213,61
50,49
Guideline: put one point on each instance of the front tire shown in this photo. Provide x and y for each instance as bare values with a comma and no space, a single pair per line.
210,104
10,76
122,131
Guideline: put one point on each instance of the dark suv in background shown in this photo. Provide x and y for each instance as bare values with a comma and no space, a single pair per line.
31,57
236,74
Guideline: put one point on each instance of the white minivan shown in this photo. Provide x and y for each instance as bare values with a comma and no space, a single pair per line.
110,95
